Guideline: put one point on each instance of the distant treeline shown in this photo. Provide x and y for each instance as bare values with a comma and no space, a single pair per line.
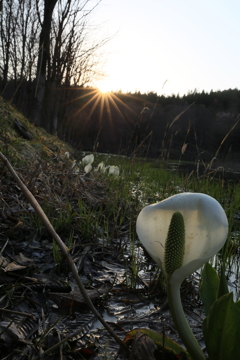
196,126
226,100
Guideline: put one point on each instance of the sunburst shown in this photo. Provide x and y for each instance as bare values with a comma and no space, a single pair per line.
101,111
104,88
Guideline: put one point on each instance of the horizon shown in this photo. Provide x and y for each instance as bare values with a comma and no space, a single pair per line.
190,92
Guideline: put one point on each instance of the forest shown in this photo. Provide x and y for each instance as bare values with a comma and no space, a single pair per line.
48,62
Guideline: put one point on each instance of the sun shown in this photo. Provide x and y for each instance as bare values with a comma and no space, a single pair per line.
104,91
105,86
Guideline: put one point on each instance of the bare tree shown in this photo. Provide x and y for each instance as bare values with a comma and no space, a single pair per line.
43,57
18,33
6,35
48,47
72,56
27,25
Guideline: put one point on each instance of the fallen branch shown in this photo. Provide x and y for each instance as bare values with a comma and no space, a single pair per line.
65,252
20,313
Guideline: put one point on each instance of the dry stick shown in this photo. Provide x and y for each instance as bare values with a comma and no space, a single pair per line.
16,312
64,250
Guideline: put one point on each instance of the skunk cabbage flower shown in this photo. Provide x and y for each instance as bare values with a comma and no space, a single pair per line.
181,233
88,159
100,167
113,170
88,168
206,229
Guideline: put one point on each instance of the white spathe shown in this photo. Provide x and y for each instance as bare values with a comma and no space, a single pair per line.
113,170
206,230
100,167
88,168
88,159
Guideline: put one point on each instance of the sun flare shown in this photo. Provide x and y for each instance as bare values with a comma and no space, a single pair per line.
105,86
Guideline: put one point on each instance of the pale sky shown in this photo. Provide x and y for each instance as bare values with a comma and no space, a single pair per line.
189,44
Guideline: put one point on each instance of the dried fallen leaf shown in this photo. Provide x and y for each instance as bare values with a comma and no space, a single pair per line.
14,267
23,260
3,261
75,299
8,332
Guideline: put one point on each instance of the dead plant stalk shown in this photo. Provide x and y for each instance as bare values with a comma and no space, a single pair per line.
64,249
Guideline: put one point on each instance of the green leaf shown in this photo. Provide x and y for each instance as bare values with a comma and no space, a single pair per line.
237,303
161,340
209,287
221,329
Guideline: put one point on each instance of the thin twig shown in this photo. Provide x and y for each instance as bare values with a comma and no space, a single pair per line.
16,312
64,250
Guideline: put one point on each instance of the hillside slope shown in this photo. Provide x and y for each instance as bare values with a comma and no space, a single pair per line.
34,274
45,164
40,144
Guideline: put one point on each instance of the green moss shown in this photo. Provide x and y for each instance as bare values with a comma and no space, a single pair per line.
22,152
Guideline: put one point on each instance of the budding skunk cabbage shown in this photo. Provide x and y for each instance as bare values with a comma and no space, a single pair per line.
88,159
181,234
113,170
87,162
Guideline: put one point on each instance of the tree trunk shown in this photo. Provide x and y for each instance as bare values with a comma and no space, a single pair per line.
43,60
